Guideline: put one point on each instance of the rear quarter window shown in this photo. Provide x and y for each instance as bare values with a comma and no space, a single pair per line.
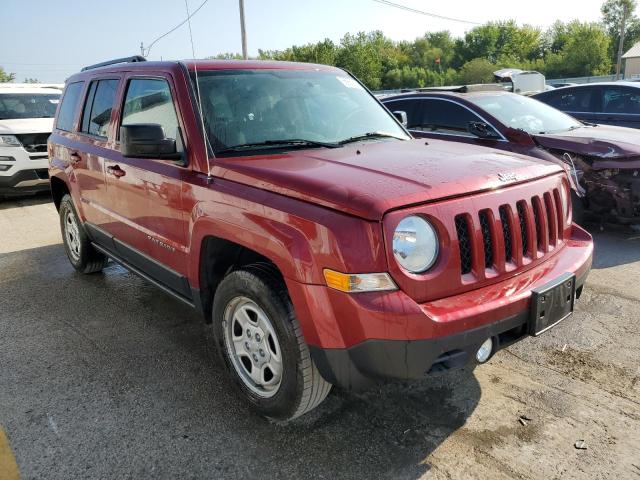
96,115
69,106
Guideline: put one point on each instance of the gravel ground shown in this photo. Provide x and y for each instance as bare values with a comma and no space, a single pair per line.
105,376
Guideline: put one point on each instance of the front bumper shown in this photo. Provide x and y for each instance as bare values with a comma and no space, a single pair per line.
388,335
25,172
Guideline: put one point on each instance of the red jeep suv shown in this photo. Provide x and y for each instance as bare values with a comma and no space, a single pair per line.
323,244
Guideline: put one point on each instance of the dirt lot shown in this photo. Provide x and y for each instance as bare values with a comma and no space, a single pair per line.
106,377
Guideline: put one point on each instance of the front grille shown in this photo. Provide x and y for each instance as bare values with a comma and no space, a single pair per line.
522,216
486,238
538,220
42,173
464,242
34,142
505,219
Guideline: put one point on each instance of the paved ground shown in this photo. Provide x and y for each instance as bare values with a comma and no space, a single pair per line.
104,376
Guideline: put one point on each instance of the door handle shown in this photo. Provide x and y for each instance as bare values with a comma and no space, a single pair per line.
74,158
116,171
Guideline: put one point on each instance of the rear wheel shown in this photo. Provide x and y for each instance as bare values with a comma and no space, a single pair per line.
262,346
81,254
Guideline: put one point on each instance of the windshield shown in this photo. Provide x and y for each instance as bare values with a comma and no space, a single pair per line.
254,107
525,113
28,105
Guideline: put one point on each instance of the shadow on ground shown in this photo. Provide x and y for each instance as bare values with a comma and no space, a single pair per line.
615,246
104,376
25,200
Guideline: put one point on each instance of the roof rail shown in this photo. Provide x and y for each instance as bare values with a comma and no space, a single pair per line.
132,59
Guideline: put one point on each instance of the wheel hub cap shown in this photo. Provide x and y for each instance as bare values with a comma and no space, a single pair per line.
253,346
72,234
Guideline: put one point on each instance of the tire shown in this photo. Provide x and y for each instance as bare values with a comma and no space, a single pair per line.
287,388
81,254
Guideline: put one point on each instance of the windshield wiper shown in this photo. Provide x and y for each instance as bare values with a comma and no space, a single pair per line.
367,136
289,143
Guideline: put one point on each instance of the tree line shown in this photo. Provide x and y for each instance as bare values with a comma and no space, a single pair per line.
566,49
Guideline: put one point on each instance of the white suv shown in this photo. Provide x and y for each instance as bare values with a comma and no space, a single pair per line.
26,120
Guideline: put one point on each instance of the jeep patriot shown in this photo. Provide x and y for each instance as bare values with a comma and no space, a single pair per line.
324,245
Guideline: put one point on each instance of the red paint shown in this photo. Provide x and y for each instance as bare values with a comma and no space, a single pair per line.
315,209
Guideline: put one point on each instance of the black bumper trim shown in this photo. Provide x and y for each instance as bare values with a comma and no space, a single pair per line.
8,184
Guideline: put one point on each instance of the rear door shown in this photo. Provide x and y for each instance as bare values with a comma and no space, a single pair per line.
94,146
620,106
147,219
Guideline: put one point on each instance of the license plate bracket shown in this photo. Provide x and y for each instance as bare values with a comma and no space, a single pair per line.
552,303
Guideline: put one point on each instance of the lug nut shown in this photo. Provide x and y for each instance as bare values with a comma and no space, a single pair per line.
255,357
261,352
257,337
249,333
246,345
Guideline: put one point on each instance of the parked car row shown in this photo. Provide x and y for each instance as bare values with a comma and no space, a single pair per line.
603,161
324,244
26,119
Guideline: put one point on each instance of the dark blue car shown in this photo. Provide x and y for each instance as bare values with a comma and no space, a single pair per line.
608,103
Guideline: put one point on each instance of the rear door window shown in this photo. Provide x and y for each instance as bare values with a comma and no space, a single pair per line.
572,100
445,117
149,101
96,116
410,106
67,113
621,100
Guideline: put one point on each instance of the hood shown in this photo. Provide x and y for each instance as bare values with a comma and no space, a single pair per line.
370,178
26,125
603,141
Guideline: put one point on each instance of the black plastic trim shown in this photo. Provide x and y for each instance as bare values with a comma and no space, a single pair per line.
140,263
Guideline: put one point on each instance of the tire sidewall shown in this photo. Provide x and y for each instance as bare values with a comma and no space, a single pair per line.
279,310
66,205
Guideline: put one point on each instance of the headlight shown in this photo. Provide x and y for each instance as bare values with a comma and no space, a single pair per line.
566,203
9,141
415,244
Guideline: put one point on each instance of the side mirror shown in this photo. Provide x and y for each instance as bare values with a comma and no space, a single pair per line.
401,117
481,129
147,140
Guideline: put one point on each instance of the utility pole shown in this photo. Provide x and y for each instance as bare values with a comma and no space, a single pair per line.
621,44
243,30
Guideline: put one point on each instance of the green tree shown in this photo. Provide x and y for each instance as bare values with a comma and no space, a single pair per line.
226,56
6,77
360,55
612,14
497,40
478,70
585,52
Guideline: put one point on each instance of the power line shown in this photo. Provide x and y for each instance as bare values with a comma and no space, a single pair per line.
434,15
148,49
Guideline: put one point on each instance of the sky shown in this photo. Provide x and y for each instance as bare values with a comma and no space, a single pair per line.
51,40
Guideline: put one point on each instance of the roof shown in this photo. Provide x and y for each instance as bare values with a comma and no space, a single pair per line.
443,93
633,51
18,88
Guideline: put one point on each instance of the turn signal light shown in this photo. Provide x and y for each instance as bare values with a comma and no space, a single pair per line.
358,282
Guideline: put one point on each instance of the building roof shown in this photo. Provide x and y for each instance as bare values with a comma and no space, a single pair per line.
633,51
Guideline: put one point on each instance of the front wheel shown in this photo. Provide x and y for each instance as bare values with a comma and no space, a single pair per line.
262,346
82,255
